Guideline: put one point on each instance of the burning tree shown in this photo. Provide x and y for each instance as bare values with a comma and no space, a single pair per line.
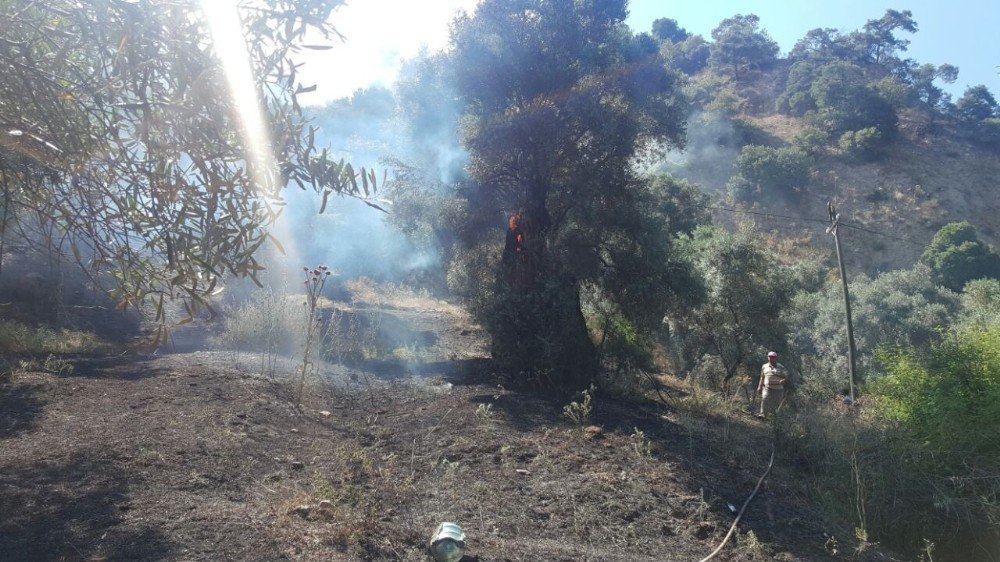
560,101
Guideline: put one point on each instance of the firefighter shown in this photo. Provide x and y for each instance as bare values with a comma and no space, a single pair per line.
773,378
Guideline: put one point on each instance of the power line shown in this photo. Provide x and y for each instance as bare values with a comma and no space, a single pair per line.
901,239
759,213
810,219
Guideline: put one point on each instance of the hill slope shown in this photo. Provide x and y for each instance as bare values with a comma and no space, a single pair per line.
190,456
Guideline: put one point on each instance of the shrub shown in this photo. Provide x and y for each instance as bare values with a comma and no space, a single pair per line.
579,412
728,102
863,144
812,140
980,302
774,169
904,307
18,338
957,256
946,404
948,398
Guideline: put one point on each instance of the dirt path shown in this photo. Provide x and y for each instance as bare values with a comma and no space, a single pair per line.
187,457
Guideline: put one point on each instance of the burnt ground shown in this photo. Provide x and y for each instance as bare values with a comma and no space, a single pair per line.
191,456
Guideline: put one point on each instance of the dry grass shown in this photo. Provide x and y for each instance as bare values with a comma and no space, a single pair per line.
17,338
395,295
925,179
782,126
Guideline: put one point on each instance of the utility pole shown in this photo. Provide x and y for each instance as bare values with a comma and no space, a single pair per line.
834,223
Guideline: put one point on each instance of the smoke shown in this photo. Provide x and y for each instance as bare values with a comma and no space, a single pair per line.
414,123
709,159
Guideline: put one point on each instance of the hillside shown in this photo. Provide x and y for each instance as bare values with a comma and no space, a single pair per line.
922,181
194,456
526,285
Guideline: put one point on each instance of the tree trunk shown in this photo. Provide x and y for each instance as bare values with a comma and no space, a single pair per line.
539,331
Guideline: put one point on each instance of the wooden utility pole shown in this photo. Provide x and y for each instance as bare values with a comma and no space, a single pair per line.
834,220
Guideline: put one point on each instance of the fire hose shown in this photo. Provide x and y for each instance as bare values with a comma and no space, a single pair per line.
739,516
732,528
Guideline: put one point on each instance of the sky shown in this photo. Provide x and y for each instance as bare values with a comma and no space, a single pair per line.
379,34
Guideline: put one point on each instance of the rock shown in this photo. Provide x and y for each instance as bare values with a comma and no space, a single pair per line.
593,431
523,471
324,413
294,430
298,465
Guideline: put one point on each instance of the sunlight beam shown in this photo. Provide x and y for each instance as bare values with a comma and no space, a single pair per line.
226,30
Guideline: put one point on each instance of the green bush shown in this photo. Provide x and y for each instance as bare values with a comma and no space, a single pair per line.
921,448
727,101
625,346
812,140
957,256
746,286
797,99
864,144
774,170
946,402
897,308
948,398
740,189
980,302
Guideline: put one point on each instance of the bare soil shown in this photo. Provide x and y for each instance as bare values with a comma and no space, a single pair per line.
193,456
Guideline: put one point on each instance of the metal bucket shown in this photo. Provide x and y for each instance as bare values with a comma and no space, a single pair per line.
448,543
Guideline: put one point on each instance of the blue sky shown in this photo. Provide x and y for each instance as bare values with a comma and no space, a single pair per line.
380,33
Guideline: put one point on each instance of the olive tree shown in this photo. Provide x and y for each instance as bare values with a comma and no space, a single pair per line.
559,100
155,138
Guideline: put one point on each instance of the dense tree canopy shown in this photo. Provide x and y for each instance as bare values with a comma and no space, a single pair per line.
153,139
560,98
688,56
747,290
957,256
666,29
898,308
877,42
977,103
740,45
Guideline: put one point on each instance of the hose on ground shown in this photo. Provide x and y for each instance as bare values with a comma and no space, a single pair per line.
739,516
